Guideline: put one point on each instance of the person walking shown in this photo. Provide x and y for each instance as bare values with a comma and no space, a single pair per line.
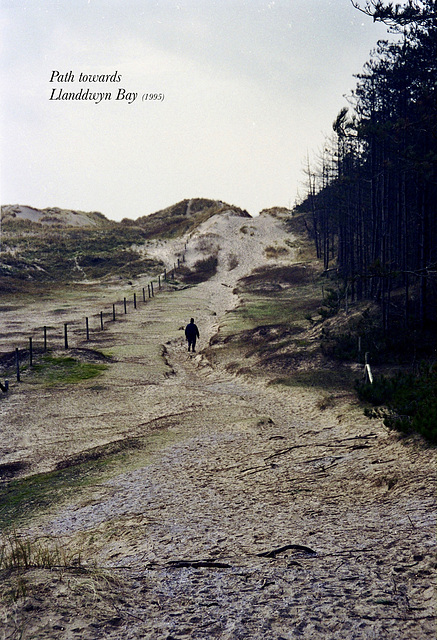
191,334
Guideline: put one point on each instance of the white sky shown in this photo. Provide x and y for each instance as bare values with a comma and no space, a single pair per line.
250,88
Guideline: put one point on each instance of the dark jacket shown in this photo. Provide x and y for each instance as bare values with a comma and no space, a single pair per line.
191,331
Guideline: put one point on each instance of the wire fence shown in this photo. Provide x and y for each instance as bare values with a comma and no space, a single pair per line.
79,331
94,325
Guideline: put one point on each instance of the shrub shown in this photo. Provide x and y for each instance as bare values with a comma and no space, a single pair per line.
331,303
202,270
408,403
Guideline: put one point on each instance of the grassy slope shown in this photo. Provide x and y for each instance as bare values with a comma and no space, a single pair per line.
183,217
42,254
33,253
287,331
272,333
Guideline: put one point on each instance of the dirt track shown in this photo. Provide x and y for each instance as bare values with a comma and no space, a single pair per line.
248,512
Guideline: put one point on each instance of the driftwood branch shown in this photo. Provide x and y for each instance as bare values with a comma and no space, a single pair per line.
213,564
296,547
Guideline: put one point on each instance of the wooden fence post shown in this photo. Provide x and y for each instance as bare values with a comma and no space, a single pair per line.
30,352
135,300
101,320
113,312
159,282
17,363
65,335
125,307
87,326
148,289
151,287
45,338
144,294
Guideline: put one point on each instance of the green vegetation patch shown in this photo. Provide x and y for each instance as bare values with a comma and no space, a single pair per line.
327,379
51,370
406,402
270,322
263,339
259,310
275,278
22,498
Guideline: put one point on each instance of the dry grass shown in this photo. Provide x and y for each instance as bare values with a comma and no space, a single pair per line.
33,254
183,217
22,552
285,276
275,252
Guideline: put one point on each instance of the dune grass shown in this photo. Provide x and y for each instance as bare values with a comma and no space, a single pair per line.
45,254
22,552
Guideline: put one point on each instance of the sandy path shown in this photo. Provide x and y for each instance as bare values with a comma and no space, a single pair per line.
248,473
345,510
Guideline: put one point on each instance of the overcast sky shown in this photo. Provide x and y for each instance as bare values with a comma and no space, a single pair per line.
250,87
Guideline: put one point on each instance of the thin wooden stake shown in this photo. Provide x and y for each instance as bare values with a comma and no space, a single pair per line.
30,352
135,300
113,312
65,335
17,363
125,307
87,326
45,338
101,320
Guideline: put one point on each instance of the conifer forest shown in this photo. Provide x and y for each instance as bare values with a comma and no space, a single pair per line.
372,192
